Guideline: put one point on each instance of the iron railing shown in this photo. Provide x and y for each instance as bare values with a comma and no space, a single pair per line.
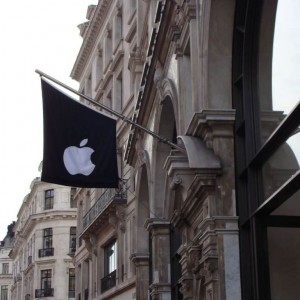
49,292
46,252
108,281
109,196
71,294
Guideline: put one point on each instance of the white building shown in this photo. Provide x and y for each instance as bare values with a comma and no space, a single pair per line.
6,277
45,241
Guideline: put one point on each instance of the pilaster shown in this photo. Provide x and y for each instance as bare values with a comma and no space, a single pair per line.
160,236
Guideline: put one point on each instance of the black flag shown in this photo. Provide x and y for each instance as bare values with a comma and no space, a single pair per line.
79,143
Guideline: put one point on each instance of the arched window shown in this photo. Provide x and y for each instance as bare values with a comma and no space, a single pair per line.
267,159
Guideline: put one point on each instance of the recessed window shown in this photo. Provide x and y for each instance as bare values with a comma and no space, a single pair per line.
72,240
47,243
5,268
4,292
73,202
46,289
72,283
110,266
49,199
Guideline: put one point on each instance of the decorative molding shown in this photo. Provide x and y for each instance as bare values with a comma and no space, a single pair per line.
91,35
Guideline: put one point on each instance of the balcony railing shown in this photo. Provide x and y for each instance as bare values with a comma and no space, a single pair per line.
72,250
108,281
108,197
49,292
71,294
46,252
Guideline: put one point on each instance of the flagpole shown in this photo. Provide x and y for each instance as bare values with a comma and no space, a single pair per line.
113,112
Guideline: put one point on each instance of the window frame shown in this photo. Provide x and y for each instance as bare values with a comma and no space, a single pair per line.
49,199
253,209
5,268
73,243
4,292
71,283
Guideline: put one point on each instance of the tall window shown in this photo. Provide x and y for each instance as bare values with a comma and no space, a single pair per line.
47,238
72,283
110,266
5,268
46,277
117,28
4,292
267,154
72,240
110,258
73,203
47,243
49,198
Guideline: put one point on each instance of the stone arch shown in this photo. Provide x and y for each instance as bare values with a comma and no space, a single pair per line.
143,211
141,257
166,126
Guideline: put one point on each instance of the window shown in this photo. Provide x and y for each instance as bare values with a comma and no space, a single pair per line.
4,292
73,203
117,28
110,266
267,159
49,197
47,243
72,283
72,240
47,238
46,289
107,48
118,93
5,268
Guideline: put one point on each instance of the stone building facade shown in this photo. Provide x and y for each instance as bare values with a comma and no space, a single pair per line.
194,221
6,264
44,244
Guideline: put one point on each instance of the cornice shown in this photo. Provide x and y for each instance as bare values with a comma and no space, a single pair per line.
96,24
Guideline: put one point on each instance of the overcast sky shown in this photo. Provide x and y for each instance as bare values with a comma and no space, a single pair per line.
40,34
35,34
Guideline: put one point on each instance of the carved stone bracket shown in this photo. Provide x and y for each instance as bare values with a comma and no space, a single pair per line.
120,213
91,244
186,288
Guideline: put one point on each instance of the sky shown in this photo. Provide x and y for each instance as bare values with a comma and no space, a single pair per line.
35,35
41,34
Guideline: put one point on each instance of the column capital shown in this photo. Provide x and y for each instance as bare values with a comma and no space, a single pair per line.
157,225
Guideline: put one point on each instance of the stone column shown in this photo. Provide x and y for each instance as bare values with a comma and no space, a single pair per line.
141,261
160,234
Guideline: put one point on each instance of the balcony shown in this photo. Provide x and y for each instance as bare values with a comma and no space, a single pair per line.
107,202
108,281
46,252
49,292
71,294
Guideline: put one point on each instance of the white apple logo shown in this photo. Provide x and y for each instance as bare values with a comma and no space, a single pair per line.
78,160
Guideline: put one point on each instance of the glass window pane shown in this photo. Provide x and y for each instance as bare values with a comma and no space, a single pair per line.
283,244
281,166
279,59
291,207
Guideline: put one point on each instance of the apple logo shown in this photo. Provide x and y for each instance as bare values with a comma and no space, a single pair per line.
78,160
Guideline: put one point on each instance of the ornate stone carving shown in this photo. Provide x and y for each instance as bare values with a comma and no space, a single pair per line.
120,213
176,181
186,288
